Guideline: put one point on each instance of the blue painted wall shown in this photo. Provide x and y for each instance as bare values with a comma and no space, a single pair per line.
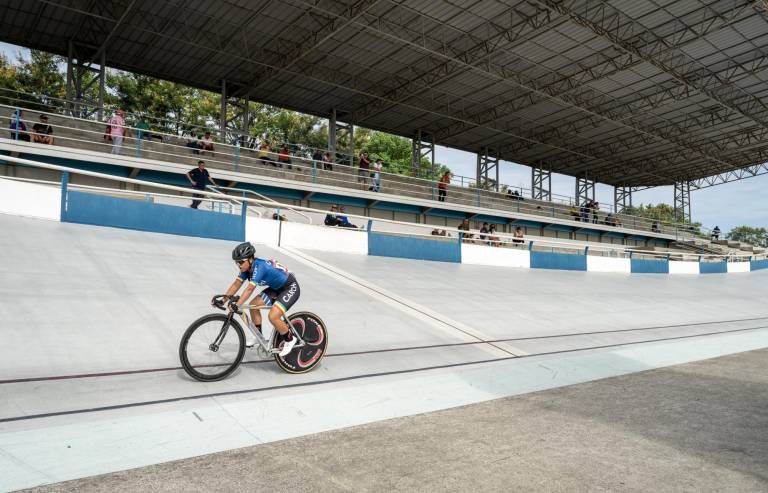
646,266
85,208
758,264
713,267
562,261
385,245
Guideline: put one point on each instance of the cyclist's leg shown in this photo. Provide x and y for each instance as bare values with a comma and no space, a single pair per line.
287,296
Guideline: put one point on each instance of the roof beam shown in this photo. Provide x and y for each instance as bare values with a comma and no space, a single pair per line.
610,23
730,176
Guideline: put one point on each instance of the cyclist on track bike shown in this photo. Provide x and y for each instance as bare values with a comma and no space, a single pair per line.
282,287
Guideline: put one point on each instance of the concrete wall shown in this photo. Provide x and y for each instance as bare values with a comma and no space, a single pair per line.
100,210
678,267
644,266
608,264
30,200
503,257
321,237
387,245
560,261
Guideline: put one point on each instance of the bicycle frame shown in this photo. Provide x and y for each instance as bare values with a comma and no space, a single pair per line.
264,344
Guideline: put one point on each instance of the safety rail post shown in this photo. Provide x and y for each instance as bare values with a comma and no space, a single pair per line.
146,199
138,145
586,250
237,155
478,195
243,215
18,110
64,190
314,171
369,226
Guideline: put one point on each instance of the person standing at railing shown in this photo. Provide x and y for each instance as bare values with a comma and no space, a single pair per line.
18,132
199,177
716,233
118,131
442,187
517,236
42,132
284,157
264,150
364,170
376,176
327,162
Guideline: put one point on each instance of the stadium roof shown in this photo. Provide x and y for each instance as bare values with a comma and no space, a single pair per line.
627,92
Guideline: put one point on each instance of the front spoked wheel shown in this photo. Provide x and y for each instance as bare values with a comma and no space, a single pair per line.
212,347
314,333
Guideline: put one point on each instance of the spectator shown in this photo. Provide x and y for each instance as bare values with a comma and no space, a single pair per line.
42,132
716,233
364,170
193,142
585,211
317,159
144,133
616,221
17,117
279,217
118,130
376,176
435,232
609,220
199,177
333,218
284,157
595,208
492,239
206,143
327,162
517,236
483,232
264,150
442,187
465,237
514,194
655,227
575,213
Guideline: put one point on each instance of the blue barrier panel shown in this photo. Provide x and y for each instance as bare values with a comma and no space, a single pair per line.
561,261
645,266
99,210
758,264
385,245
713,267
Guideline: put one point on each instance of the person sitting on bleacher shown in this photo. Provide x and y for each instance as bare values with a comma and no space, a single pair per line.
327,162
42,132
193,142
22,129
206,143
333,219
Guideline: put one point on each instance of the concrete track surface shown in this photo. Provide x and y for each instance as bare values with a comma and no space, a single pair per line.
90,321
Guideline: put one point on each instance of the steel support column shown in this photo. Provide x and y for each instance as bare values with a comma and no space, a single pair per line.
683,201
335,128
234,116
541,183
85,81
485,164
423,146
622,198
585,190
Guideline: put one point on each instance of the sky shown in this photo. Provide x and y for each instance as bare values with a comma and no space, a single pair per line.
727,206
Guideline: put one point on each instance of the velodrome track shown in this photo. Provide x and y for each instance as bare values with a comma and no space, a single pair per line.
90,320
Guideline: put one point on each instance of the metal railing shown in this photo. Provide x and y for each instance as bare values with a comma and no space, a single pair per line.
233,158
501,240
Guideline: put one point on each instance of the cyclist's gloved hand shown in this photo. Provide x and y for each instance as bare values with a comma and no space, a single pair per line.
233,306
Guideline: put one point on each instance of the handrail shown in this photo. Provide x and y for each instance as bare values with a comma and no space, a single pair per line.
554,243
467,196
279,205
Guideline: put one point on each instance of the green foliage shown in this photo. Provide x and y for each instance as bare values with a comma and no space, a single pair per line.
664,213
747,234
175,108
40,77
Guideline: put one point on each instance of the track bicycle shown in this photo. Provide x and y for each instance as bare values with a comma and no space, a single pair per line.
213,346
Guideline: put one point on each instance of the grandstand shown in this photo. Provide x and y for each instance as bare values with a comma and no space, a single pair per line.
104,262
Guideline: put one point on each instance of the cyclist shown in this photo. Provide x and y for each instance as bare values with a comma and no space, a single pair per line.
282,287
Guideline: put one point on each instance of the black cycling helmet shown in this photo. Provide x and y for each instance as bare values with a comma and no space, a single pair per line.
243,251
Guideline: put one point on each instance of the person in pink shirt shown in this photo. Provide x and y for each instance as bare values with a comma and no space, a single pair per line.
118,130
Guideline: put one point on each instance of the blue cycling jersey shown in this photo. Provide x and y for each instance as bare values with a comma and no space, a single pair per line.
266,273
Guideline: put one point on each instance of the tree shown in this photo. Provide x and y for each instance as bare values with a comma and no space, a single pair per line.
746,234
39,80
664,213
